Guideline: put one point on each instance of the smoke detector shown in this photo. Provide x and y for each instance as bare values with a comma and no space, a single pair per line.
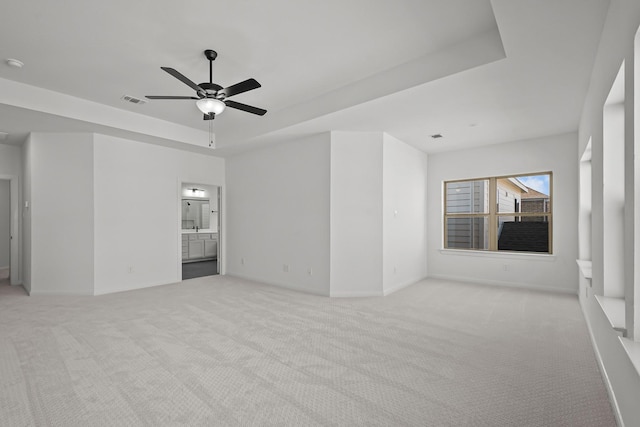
14,63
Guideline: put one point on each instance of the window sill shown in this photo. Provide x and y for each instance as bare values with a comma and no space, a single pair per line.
530,256
633,351
614,309
585,267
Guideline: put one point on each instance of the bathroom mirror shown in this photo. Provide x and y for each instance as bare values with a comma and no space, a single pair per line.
196,213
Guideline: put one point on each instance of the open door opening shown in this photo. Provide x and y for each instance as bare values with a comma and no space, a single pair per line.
200,230
5,231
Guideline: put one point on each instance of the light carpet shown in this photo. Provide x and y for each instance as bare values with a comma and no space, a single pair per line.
220,351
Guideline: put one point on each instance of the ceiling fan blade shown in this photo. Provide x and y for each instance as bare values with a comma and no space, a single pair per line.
245,107
209,116
170,97
183,79
237,88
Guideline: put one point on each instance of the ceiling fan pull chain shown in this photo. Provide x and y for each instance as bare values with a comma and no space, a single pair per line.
212,141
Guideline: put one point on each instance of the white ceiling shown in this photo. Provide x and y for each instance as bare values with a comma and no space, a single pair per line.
476,71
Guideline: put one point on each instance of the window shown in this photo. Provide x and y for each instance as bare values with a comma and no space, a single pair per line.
509,213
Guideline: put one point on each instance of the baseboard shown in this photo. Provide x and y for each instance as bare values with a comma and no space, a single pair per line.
514,285
403,285
66,293
130,288
279,285
603,371
332,294
356,294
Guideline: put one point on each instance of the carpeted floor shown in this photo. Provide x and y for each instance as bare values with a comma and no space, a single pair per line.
219,351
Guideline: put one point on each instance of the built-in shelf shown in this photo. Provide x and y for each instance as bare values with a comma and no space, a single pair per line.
585,267
633,351
614,309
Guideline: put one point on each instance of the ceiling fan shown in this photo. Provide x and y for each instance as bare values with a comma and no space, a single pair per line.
211,97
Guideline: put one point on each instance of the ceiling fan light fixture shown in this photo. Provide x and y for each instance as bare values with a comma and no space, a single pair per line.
210,105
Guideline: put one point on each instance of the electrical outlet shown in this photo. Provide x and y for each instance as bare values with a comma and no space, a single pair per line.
505,267
241,261
310,271
285,268
395,269
130,269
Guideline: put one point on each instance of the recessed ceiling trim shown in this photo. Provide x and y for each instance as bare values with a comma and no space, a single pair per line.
21,95
480,50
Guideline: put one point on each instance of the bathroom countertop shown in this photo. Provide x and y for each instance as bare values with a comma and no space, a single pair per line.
208,230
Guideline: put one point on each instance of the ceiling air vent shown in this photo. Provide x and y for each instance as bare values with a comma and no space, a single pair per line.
133,99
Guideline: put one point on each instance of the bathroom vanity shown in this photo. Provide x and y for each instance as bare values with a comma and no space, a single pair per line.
200,245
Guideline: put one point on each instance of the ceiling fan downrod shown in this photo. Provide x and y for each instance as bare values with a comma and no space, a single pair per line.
211,55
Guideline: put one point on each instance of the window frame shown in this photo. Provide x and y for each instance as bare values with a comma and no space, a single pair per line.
493,215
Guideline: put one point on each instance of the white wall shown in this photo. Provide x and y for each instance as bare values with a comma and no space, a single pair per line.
26,213
356,213
404,214
613,201
328,203
584,219
61,213
555,273
104,212
5,223
616,47
278,214
137,210
10,160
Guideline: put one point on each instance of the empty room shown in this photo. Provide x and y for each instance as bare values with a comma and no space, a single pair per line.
313,213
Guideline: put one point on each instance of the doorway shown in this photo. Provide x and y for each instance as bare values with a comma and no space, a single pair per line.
14,237
200,229
5,230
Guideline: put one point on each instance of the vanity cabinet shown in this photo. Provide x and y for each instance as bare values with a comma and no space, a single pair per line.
185,247
211,248
196,249
198,246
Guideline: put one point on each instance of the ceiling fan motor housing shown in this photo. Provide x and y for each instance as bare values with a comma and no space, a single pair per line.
210,54
211,88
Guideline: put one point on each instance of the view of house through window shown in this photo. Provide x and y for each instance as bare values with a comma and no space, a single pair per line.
509,213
